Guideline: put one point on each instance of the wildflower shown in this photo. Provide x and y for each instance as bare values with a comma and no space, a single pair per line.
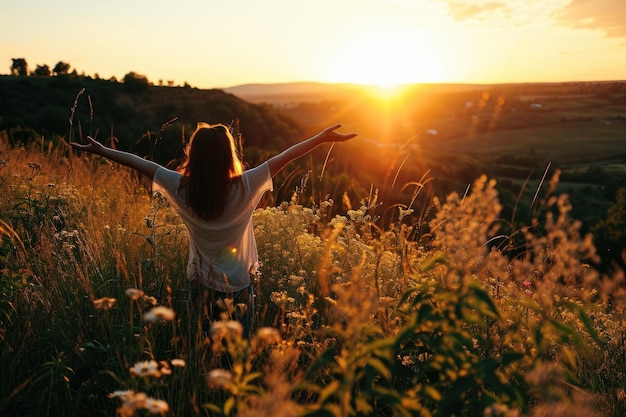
268,335
159,313
234,327
105,303
165,368
150,300
123,395
146,369
154,406
281,298
229,305
220,329
180,363
296,280
406,360
131,400
403,213
133,293
219,378
242,308
497,410
226,305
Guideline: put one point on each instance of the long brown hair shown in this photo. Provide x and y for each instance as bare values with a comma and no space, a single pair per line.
211,165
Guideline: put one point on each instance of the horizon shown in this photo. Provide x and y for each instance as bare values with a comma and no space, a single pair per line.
376,42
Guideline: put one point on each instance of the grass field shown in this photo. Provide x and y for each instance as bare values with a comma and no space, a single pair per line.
352,318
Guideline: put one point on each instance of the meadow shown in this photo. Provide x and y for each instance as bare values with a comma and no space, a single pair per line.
353,318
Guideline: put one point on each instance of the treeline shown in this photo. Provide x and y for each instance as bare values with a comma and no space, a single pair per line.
19,67
132,114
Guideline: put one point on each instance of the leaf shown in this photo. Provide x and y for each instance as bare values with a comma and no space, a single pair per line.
212,407
509,357
482,295
567,330
389,396
323,360
430,264
229,405
486,368
319,413
363,407
328,392
408,293
432,392
381,346
584,318
377,365
407,331
251,377
425,312
569,355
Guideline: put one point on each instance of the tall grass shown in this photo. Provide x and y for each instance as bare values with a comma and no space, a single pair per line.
351,319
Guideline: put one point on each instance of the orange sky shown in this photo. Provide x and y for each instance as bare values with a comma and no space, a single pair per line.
369,41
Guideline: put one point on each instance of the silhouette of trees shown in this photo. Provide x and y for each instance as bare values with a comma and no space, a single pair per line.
42,71
61,68
19,66
135,83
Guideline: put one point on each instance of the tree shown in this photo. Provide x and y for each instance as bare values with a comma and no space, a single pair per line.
610,232
19,66
61,68
135,83
42,71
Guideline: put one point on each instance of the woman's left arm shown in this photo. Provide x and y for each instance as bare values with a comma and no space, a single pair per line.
278,162
148,168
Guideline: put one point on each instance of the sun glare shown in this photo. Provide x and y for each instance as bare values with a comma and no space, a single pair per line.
387,60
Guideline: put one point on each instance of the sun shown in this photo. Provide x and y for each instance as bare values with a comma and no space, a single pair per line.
387,59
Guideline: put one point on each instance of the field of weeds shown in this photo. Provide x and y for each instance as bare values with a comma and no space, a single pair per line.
351,319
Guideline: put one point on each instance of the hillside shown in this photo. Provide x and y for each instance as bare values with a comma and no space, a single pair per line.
35,107
515,133
443,135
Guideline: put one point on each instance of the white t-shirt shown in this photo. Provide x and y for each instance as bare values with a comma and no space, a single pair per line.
222,251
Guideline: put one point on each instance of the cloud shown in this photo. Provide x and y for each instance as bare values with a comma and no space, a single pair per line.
466,11
608,16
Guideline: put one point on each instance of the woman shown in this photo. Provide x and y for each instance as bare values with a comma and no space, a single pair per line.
215,198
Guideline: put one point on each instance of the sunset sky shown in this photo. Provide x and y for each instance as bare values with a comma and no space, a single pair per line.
213,44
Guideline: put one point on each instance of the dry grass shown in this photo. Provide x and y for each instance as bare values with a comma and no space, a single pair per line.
351,319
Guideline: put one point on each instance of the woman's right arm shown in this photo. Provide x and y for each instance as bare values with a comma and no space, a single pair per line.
148,168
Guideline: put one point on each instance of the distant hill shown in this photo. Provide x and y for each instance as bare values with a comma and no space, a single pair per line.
303,92
296,91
